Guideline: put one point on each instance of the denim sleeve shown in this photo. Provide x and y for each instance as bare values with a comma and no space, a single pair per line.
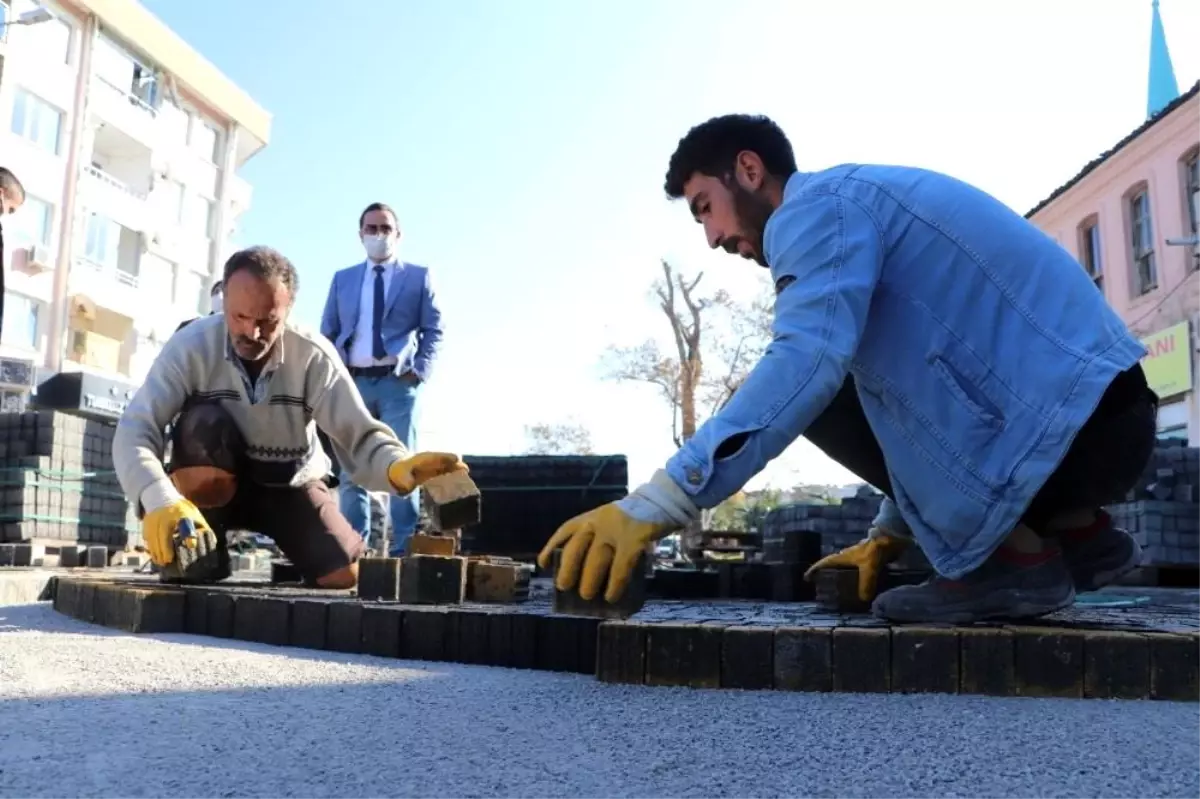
825,253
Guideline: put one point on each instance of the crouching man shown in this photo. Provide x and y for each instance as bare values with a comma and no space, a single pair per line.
244,392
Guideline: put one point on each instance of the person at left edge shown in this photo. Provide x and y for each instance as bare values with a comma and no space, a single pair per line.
12,197
385,323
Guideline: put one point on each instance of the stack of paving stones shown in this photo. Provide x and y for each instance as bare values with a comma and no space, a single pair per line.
841,655
801,532
526,498
1162,511
57,484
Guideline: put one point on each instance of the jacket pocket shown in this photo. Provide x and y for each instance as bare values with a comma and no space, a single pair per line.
971,398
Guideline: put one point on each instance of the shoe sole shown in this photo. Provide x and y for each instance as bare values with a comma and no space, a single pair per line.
1007,604
1100,579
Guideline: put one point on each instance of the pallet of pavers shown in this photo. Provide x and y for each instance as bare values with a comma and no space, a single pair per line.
1148,652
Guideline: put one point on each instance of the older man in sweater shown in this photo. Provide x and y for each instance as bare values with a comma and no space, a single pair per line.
246,391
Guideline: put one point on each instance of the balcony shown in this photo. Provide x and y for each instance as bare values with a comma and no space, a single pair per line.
129,113
121,202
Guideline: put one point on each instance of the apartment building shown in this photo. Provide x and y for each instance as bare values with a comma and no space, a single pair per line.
1131,219
129,144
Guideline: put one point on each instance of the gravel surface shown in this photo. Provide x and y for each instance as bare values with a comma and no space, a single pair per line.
86,711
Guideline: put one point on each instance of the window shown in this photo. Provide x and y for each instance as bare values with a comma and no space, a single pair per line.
102,239
1142,238
1173,420
1089,252
34,222
20,321
190,293
197,215
1192,189
203,139
171,192
35,119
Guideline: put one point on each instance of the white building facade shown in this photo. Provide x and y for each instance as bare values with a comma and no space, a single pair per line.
129,145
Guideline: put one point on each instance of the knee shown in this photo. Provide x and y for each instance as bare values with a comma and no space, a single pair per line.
342,579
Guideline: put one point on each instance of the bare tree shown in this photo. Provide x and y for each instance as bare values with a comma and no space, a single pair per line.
567,438
717,341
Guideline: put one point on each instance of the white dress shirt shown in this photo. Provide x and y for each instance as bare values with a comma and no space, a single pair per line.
361,347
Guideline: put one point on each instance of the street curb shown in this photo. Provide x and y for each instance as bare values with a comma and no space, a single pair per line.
1017,660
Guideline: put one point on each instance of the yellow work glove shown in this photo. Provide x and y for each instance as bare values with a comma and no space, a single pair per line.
869,556
598,546
407,474
179,523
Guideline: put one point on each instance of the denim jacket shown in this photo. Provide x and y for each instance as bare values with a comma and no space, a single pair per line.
978,345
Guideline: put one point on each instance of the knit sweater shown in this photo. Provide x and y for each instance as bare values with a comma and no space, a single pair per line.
303,385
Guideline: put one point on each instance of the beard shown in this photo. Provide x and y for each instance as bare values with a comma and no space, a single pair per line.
752,212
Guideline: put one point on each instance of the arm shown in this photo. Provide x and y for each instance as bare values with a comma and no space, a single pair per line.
139,441
365,447
826,254
429,331
330,323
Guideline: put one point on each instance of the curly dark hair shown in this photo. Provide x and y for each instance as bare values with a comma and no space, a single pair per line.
266,264
712,147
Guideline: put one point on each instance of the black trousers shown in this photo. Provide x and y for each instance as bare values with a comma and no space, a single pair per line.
1102,465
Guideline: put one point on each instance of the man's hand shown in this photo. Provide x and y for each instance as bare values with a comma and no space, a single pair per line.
179,522
869,556
408,474
600,546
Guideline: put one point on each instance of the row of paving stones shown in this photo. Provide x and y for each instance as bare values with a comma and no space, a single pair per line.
670,651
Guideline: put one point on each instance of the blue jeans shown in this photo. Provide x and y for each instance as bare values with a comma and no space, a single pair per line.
393,401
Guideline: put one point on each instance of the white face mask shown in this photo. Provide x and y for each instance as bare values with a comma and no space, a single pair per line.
379,247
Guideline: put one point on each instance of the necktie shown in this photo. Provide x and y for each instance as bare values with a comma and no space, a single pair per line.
377,317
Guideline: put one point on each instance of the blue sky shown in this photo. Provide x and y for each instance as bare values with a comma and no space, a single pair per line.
523,144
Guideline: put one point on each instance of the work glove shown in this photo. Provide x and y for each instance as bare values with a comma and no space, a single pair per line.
177,524
869,556
600,548
408,474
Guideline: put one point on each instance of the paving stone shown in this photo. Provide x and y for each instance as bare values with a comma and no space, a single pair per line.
445,546
451,501
310,622
631,601
862,659
683,654
747,658
925,660
1173,667
987,663
105,610
788,583
473,638
1116,666
433,580
379,578
195,619
523,641
803,659
424,634
836,590
381,630
262,619
66,597
283,571
562,644
343,631
500,642
85,604
96,557
621,652
497,582
1049,662
220,614
71,556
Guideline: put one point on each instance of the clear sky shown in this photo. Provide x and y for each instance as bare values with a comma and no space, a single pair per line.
523,144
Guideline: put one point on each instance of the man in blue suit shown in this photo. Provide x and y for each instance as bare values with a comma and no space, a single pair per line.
383,320
932,341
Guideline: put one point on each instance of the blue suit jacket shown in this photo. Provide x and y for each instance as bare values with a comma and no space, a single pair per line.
412,322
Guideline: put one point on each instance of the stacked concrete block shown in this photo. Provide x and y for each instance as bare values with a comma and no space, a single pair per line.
1162,511
802,532
57,481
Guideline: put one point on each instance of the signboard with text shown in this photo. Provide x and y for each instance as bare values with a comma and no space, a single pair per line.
1168,364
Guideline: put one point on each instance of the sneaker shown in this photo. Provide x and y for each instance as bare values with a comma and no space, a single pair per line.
1099,554
1009,585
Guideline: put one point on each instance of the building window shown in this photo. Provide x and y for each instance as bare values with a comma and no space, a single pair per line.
197,215
203,139
1142,238
190,294
36,120
1089,253
102,240
34,222
1192,188
21,315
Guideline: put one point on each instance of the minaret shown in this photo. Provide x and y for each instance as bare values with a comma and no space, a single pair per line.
1162,87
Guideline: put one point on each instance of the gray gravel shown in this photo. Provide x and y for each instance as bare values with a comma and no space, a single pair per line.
86,711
